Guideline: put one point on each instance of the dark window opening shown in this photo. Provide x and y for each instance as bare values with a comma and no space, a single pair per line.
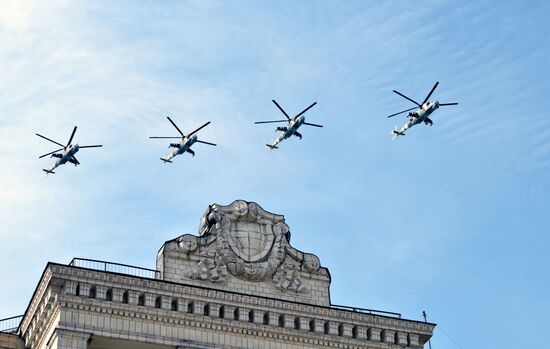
125,297
174,305
92,292
158,302
141,299
266,318
109,295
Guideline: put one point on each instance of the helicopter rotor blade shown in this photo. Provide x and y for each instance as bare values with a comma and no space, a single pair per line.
72,135
402,95
445,104
269,122
90,146
46,138
55,151
308,108
401,112
174,124
281,109
309,124
203,142
165,137
197,130
430,94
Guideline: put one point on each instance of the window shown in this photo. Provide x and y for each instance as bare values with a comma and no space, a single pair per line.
141,299
190,308
77,292
222,312
296,323
158,302
312,326
206,310
251,316
109,294
125,297
354,332
174,305
266,318
92,293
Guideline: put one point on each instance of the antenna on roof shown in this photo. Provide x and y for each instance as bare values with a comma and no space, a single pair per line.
425,320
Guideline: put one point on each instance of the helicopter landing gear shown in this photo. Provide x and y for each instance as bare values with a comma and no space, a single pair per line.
428,121
191,152
298,134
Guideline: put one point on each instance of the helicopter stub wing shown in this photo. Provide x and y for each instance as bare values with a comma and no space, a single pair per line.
74,161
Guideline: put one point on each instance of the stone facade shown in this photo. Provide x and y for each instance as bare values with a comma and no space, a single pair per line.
188,306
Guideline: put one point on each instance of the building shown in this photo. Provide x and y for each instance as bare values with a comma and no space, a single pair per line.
239,284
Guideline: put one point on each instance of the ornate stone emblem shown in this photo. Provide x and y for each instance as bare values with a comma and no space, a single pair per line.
247,242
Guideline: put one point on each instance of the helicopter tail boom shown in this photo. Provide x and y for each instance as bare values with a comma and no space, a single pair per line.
395,133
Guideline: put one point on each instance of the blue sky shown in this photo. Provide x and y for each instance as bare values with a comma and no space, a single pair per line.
450,219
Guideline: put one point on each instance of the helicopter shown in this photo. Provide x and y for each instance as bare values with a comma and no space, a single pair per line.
184,145
291,129
421,114
65,153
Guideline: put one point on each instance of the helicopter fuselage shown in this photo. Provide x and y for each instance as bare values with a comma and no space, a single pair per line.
290,130
420,115
183,146
65,156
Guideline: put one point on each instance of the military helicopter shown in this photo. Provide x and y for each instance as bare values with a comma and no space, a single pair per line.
185,144
291,129
65,153
421,114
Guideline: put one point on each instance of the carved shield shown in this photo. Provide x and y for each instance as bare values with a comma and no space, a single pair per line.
251,241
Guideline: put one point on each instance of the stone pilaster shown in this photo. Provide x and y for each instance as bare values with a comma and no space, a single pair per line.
361,333
375,334
215,310
166,302
414,340
65,339
402,339
388,336
347,330
332,328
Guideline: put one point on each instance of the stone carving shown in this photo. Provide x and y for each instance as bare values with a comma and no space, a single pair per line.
247,242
